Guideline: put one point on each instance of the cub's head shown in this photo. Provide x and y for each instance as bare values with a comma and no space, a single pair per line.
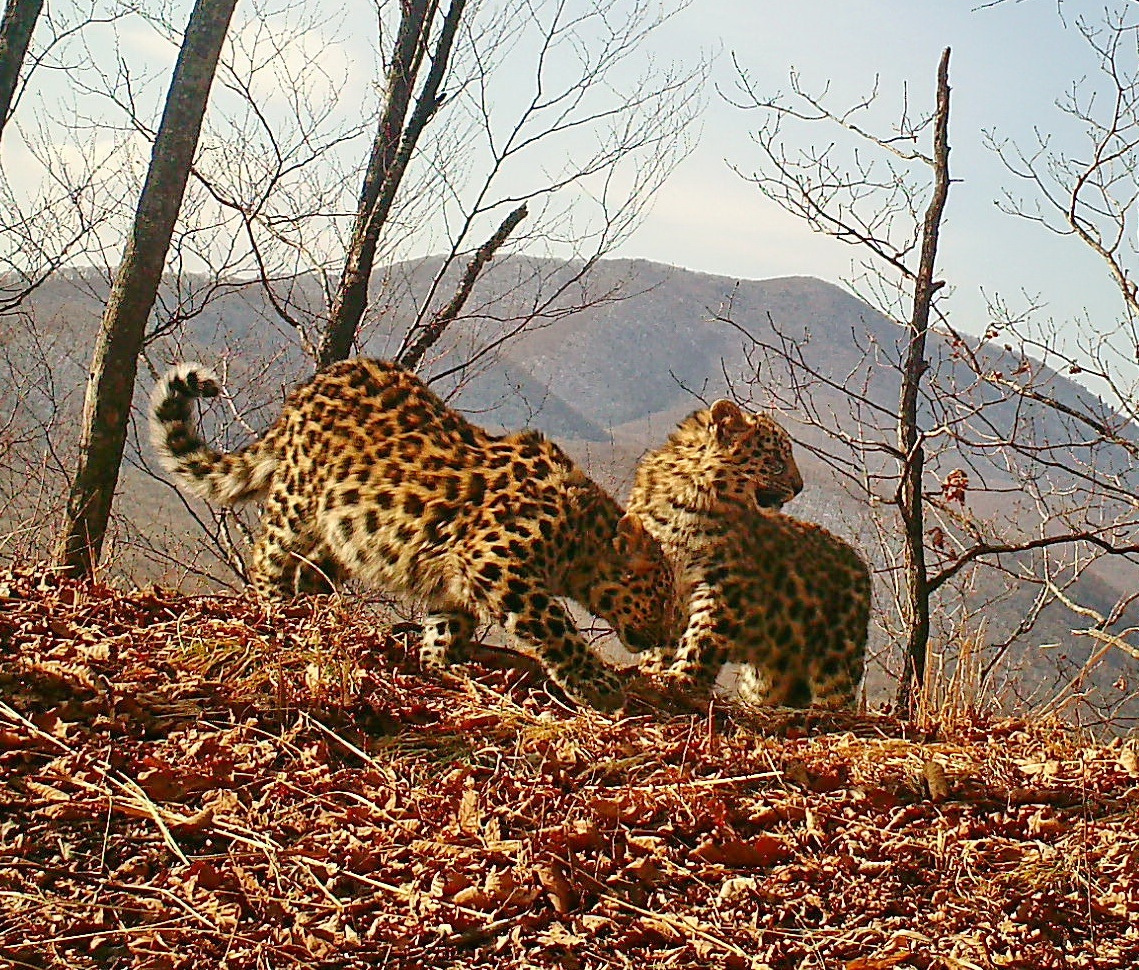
638,597
751,458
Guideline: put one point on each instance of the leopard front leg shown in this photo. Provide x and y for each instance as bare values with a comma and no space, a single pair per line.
705,645
836,674
656,661
545,625
446,637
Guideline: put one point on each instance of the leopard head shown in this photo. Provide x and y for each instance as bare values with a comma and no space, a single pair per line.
639,598
754,453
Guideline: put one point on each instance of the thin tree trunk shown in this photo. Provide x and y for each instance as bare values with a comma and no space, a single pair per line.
352,292
110,387
909,435
20,18
391,152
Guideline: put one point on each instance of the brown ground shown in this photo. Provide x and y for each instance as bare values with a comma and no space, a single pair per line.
190,782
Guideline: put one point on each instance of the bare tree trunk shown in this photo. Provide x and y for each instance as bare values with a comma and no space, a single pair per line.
110,387
20,18
910,501
391,151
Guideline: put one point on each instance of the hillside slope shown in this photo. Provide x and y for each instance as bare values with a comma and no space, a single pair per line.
191,781
607,382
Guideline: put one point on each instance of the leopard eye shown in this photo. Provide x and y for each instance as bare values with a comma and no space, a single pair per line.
778,466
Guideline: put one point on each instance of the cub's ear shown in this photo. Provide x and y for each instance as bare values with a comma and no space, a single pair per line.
727,418
632,540
631,531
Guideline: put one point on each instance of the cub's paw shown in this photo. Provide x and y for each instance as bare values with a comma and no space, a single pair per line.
432,656
436,656
681,684
445,640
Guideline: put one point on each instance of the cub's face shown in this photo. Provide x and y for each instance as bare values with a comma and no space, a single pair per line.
757,466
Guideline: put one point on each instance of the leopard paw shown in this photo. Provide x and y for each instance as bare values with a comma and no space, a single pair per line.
603,690
654,662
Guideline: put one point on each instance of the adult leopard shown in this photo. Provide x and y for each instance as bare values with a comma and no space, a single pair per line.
368,473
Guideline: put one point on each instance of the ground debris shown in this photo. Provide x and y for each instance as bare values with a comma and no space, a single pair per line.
210,781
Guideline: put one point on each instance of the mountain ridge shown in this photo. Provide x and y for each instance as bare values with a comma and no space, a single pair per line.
607,381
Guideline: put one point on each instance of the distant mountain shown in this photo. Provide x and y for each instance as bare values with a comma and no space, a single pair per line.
608,380
630,359
643,352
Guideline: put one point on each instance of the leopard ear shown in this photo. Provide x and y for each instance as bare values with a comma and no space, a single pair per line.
630,528
727,418
632,539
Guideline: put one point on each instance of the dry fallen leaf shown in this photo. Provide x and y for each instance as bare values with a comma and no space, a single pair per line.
764,850
552,875
937,784
194,826
885,962
470,818
387,815
796,772
1129,759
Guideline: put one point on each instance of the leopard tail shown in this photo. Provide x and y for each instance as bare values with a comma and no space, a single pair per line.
223,478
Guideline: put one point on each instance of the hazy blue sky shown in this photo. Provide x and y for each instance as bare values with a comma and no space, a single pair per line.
1009,64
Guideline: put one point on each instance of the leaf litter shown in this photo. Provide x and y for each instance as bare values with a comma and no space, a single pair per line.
212,781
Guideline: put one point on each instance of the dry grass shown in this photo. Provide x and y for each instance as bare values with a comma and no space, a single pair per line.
192,782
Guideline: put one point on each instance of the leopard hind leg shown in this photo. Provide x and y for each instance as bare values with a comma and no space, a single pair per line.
287,558
317,573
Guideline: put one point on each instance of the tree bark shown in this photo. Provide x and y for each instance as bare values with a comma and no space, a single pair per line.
391,152
19,21
110,387
910,501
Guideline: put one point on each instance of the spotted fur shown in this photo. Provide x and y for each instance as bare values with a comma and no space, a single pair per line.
785,598
368,473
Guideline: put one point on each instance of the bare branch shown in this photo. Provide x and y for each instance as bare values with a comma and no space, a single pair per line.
433,331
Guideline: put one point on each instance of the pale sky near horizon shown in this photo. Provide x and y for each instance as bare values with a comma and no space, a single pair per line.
1009,65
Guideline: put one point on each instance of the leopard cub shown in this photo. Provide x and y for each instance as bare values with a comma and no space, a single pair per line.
787,599
368,473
